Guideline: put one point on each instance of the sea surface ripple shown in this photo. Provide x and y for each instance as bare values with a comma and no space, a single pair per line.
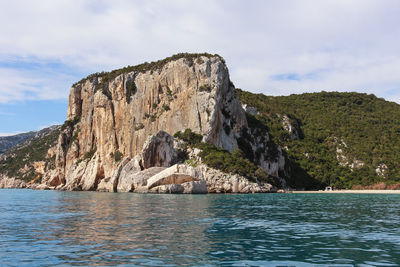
50,228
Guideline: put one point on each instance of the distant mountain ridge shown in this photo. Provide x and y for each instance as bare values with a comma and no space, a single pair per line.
28,160
7,142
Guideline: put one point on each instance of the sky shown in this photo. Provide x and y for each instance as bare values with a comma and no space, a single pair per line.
271,47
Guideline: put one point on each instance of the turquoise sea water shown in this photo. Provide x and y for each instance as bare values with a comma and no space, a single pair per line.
47,228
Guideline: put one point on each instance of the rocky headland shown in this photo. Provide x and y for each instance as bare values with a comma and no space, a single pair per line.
179,125
133,130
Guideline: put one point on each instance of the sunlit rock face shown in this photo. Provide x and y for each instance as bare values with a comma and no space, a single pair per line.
114,119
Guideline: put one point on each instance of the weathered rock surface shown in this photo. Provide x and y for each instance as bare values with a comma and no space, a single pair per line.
202,179
293,130
40,187
168,189
251,110
130,181
381,170
169,176
195,187
133,115
6,182
219,182
158,151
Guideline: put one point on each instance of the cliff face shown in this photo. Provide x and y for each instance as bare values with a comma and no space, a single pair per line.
110,118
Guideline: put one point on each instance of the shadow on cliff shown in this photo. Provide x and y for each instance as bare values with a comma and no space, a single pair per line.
298,177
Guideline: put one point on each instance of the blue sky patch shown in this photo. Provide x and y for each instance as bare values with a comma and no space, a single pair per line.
32,115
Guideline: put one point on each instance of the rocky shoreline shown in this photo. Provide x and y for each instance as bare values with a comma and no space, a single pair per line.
158,154
177,179
190,185
12,183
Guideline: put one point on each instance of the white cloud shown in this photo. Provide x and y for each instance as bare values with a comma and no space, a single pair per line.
25,84
330,45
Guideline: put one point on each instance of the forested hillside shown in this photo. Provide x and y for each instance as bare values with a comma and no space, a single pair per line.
29,160
340,139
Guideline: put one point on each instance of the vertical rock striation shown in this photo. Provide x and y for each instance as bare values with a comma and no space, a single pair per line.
111,116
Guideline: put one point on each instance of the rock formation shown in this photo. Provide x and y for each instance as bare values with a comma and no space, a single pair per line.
6,182
117,136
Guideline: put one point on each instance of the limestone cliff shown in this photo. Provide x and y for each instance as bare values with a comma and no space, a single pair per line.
114,121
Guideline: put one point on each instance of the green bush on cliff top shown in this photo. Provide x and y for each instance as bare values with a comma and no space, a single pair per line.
144,67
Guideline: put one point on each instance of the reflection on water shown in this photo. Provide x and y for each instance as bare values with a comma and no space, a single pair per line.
81,228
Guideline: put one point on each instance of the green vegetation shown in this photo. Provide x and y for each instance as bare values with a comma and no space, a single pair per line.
75,135
189,137
117,156
365,127
205,88
153,117
236,163
169,92
191,162
199,61
90,153
19,160
131,89
70,123
215,157
166,107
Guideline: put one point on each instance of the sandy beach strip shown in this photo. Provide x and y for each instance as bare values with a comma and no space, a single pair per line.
348,192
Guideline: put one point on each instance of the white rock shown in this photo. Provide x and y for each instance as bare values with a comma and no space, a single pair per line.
168,189
195,187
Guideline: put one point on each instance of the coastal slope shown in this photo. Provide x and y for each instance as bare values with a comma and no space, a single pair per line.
345,140
25,163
